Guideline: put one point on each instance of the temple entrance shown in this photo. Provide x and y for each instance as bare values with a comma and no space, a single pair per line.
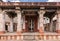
31,24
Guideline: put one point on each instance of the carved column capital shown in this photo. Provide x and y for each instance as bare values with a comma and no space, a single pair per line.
18,8
18,11
41,11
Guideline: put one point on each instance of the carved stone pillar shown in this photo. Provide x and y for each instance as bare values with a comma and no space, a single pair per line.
58,22
2,22
41,26
19,23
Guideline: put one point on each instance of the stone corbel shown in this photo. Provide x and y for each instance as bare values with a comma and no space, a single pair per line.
41,12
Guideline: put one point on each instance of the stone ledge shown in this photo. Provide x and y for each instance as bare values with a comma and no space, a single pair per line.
36,33
30,40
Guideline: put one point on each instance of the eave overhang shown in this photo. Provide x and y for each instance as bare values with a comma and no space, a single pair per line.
29,4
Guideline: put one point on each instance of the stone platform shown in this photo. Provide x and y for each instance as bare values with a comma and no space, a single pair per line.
30,37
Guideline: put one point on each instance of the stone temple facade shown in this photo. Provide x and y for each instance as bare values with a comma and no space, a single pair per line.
29,21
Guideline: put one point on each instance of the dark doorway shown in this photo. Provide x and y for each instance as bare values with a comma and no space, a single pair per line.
31,23
6,28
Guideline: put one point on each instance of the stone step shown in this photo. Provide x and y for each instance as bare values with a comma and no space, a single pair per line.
29,37
31,33
29,40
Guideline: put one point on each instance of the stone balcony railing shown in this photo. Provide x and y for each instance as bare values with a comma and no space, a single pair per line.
30,37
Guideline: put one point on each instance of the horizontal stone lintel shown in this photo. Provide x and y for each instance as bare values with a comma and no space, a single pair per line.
29,3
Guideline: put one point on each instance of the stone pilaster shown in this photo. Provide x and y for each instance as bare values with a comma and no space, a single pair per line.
2,22
58,22
24,23
51,25
38,23
11,25
19,23
41,26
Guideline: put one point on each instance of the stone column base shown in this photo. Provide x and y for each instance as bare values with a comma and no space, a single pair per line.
58,31
41,30
23,30
2,32
19,32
